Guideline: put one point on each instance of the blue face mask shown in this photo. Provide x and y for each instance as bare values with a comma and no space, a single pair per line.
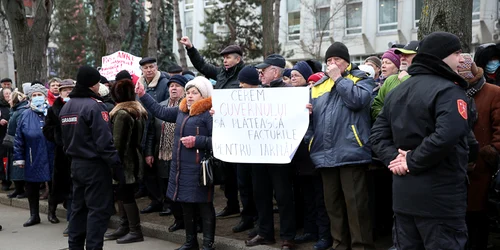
492,66
66,99
38,101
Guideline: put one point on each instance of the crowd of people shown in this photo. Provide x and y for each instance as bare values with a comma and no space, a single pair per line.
404,144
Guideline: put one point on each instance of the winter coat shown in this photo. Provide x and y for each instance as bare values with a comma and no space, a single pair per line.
340,125
62,165
428,115
110,104
31,149
4,114
390,83
487,132
15,173
226,79
183,184
128,119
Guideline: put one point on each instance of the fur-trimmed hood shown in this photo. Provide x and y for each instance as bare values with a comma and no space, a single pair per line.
134,108
197,108
476,77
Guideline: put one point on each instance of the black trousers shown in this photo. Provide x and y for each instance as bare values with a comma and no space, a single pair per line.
61,177
152,183
193,212
316,219
478,229
92,204
279,178
245,186
415,233
231,185
125,193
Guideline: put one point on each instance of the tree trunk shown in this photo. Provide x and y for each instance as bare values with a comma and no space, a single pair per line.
267,27
277,5
453,16
113,39
153,28
30,41
231,26
178,31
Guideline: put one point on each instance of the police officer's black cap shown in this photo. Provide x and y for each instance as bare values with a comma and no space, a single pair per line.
272,60
232,49
6,80
174,69
147,60
87,76
104,80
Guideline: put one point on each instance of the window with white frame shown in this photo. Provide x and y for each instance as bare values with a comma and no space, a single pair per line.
210,3
188,4
387,15
188,24
476,10
323,18
358,60
353,17
418,12
293,9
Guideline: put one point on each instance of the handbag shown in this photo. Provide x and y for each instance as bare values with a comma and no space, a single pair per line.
211,172
8,141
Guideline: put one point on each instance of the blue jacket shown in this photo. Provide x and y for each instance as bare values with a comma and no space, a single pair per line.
340,126
183,184
14,116
31,149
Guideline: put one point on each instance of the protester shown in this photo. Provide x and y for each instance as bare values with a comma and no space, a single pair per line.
19,103
487,57
32,151
487,131
344,171
87,139
53,90
156,84
106,97
273,177
128,118
6,83
406,54
249,78
4,121
370,72
226,78
300,73
390,64
314,78
376,64
421,135
194,131
61,178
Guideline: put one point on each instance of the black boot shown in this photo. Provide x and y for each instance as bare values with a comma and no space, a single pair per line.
191,237
135,234
208,220
51,216
34,203
123,229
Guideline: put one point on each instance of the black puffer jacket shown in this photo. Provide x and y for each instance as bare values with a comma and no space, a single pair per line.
226,79
427,114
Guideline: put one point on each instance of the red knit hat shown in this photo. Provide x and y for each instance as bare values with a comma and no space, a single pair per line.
316,77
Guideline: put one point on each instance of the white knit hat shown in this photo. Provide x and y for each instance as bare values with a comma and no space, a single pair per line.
202,84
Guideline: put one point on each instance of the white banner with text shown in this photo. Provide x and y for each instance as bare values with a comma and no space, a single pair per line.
259,125
118,61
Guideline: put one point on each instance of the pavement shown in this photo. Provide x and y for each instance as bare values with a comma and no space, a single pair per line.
14,212
47,236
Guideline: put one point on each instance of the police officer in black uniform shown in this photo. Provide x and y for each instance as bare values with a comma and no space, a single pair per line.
88,141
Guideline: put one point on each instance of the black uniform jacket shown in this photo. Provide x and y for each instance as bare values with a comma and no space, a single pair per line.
86,132
428,115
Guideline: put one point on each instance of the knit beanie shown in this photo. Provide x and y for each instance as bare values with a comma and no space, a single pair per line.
87,76
181,80
338,49
316,77
393,57
375,60
440,44
123,75
249,75
37,88
304,69
287,73
202,84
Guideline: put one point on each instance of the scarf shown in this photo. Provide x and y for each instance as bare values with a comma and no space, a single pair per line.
167,136
40,109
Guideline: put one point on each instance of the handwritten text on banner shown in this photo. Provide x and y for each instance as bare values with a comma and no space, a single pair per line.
118,61
259,125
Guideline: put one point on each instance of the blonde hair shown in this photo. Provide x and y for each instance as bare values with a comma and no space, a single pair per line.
16,97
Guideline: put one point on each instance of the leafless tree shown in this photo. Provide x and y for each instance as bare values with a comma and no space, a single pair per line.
113,37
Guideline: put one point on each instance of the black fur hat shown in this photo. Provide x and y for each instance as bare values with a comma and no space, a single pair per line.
123,91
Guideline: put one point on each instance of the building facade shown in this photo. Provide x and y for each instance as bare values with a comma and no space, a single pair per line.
367,27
